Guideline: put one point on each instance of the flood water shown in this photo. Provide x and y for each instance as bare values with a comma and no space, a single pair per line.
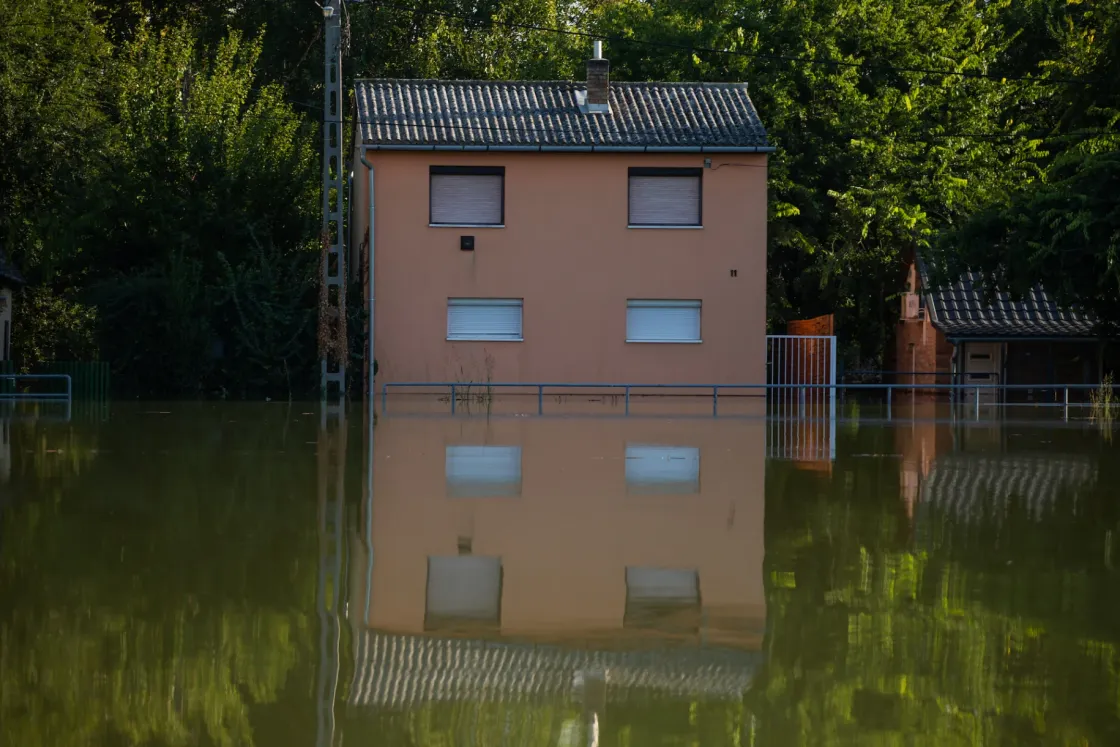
235,574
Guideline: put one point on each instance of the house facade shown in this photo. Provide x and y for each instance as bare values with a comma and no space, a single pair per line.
954,334
561,231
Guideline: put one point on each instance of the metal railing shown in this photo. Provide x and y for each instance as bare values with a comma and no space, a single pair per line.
971,390
66,395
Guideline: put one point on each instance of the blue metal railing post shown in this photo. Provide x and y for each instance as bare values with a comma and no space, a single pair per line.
778,397
66,395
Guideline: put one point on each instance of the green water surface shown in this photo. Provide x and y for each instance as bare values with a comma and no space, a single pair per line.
197,575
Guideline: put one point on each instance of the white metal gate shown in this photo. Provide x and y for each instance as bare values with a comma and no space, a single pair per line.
801,396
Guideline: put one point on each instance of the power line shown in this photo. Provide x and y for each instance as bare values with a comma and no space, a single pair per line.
694,48
491,22
111,108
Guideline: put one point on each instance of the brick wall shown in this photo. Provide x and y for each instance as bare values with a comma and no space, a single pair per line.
809,362
920,347
821,325
919,444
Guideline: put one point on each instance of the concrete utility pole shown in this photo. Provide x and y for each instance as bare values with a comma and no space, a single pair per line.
333,351
333,346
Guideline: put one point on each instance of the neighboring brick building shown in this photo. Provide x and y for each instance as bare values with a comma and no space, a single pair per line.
922,354
954,335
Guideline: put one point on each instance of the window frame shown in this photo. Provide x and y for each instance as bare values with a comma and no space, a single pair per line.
674,172
435,622
475,301
679,303
456,487
467,171
636,451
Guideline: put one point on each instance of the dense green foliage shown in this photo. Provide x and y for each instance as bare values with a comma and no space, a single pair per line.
158,160
1063,229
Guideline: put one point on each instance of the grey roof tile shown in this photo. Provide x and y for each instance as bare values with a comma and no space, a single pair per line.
960,310
425,113
405,670
972,486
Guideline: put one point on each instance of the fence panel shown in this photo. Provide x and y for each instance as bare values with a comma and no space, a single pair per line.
801,373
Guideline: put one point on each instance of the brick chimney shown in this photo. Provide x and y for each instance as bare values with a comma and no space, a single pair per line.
598,81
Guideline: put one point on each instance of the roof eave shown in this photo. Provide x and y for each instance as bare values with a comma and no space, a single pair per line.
572,148
955,337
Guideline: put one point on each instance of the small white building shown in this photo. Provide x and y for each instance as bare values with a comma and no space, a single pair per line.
10,280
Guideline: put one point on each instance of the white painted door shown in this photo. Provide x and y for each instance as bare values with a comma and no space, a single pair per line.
982,365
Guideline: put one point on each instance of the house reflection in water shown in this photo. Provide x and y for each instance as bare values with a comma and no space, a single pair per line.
560,557
971,474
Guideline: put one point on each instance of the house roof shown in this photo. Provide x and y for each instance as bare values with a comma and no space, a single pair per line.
399,671
972,487
8,271
960,310
546,115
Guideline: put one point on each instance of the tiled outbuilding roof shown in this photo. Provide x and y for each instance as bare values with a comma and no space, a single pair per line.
399,671
970,487
961,310
8,271
544,115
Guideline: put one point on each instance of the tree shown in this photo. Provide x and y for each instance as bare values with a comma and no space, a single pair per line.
1063,234
54,58
875,155
201,227
1061,230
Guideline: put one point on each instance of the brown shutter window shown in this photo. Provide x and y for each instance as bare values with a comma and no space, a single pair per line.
467,196
665,197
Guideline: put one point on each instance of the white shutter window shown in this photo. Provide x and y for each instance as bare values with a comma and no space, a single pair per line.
665,197
484,319
662,469
662,321
467,196
482,471
464,588
664,585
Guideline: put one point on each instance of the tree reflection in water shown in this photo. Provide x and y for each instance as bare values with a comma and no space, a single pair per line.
158,586
988,624
157,579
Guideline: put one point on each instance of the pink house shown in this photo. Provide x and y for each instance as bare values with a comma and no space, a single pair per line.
565,231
